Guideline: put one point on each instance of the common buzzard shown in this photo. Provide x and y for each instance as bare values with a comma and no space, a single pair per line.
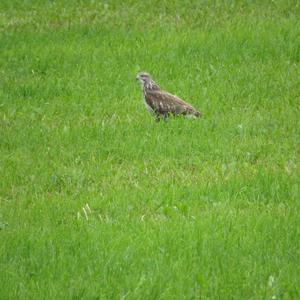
161,103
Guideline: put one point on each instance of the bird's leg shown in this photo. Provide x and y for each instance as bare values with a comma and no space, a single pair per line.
161,117
165,117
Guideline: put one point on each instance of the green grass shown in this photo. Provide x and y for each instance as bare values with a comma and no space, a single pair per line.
98,201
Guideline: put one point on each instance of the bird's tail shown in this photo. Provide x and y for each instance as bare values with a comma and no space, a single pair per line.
194,114
197,114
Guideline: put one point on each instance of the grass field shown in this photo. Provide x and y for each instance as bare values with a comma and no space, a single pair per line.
99,201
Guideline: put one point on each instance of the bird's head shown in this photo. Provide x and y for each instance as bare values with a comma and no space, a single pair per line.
143,77
146,81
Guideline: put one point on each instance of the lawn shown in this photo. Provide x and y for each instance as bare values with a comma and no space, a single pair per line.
100,201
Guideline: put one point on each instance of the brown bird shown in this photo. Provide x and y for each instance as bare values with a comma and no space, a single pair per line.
161,103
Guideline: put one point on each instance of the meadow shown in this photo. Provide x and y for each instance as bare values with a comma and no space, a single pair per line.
99,201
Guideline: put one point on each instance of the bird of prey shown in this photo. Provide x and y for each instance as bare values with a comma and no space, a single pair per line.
161,103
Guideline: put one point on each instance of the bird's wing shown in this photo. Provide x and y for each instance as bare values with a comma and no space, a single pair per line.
163,103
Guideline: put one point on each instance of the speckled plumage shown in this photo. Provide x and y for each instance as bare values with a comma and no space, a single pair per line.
161,103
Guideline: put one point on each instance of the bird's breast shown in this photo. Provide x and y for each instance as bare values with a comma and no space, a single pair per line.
149,108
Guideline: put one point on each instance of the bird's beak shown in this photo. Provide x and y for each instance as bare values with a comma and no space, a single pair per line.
137,77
